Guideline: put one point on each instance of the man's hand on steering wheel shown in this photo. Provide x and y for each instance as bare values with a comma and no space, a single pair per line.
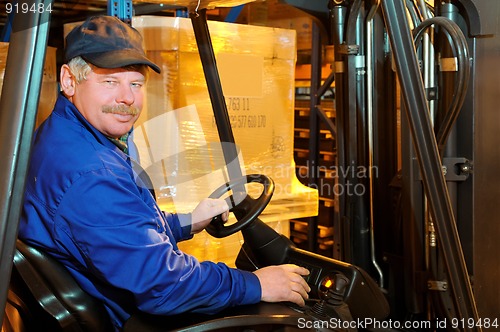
245,208
211,213
207,209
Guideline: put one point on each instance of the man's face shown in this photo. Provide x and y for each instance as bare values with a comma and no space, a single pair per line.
110,99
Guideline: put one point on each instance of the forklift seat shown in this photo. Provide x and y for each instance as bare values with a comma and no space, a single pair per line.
44,296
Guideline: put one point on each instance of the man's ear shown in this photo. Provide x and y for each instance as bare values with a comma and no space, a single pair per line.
67,81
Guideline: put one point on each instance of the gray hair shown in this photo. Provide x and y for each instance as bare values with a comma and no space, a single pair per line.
79,68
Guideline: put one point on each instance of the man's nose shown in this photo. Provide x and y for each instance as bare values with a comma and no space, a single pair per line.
126,95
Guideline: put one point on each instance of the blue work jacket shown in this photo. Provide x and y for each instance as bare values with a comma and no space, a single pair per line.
85,205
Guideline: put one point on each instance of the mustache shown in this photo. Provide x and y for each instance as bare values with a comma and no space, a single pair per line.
120,109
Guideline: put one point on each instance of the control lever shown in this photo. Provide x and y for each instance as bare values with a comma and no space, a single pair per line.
263,246
331,305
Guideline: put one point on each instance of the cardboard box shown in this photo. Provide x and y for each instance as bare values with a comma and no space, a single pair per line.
257,68
273,13
48,93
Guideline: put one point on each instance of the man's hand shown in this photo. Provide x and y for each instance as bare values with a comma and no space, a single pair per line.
205,211
283,283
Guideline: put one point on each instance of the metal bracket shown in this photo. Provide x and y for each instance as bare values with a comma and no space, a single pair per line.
441,286
432,93
457,169
349,49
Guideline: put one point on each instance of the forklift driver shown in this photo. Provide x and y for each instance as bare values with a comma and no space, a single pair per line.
85,205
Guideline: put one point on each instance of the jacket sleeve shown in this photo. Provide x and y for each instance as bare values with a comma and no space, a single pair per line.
180,225
122,237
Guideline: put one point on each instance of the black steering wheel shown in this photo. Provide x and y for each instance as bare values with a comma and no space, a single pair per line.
246,210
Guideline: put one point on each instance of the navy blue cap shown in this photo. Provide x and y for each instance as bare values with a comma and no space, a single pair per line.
107,42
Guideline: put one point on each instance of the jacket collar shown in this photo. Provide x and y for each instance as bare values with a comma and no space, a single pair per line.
68,110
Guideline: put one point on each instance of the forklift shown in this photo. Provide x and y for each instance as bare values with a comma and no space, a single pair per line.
414,89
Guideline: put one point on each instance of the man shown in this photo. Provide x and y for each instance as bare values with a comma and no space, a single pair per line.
85,205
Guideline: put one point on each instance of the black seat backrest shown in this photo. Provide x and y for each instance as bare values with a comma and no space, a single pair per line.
48,298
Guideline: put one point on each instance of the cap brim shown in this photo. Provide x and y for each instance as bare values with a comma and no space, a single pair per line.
118,59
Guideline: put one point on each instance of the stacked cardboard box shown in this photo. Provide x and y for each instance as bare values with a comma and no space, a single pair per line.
177,135
48,94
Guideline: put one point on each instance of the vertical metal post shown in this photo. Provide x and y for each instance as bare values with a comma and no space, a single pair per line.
370,61
312,222
214,86
18,109
123,9
428,157
337,16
